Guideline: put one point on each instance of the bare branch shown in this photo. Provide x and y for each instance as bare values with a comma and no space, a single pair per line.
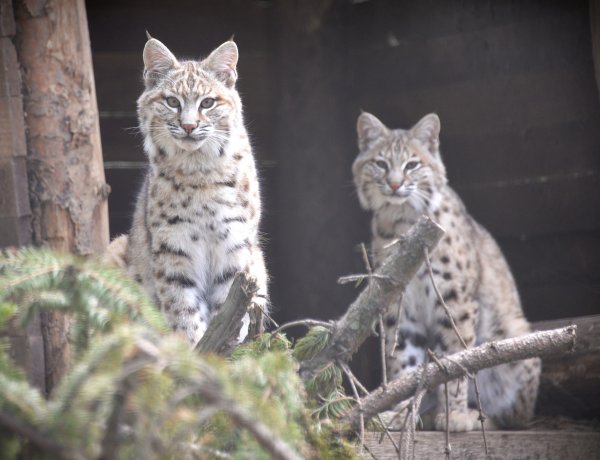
302,322
224,327
47,445
464,344
361,277
442,301
385,284
111,442
350,378
544,343
276,446
384,378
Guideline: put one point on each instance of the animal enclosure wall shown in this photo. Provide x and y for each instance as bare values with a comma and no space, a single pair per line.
513,83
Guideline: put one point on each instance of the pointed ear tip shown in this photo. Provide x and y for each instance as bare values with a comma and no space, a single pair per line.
433,117
364,116
229,44
234,47
152,43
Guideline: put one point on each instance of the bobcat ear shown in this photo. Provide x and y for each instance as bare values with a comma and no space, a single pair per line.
427,130
222,63
369,129
158,60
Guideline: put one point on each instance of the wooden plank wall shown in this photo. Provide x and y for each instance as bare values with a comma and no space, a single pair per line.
191,29
513,83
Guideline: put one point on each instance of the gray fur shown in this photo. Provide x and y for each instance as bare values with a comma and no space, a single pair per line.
399,176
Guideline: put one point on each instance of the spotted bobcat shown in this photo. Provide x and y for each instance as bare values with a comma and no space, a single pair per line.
196,219
399,176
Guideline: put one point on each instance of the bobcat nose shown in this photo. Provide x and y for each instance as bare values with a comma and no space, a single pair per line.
189,127
394,185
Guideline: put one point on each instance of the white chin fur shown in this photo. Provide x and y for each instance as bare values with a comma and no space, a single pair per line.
396,199
188,145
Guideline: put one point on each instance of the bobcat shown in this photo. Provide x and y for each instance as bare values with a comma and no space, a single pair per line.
196,219
399,176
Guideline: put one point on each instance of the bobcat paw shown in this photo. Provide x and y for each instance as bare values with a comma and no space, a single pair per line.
459,420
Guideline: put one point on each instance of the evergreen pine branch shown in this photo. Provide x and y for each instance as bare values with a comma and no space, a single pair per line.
101,296
106,353
334,405
313,343
113,286
21,399
136,390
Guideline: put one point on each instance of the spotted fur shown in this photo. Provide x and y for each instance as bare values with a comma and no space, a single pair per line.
399,176
197,216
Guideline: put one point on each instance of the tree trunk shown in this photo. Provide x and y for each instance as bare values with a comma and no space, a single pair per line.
15,214
67,190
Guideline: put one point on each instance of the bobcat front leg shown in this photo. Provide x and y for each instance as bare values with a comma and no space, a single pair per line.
461,418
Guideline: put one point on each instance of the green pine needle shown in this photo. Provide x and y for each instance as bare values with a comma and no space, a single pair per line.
314,342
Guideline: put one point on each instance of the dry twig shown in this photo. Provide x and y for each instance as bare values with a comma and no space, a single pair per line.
382,337
302,322
351,378
384,379
39,440
464,344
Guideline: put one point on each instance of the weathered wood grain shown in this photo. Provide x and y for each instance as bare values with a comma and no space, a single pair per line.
502,445
570,385
26,347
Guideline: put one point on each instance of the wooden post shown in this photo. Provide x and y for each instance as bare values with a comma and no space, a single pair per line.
15,215
67,190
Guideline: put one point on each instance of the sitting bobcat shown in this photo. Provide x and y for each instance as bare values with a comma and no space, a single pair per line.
399,176
197,215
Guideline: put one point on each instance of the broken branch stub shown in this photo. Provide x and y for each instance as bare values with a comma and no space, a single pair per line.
224,328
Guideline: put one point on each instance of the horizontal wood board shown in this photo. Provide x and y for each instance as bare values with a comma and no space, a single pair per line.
502,445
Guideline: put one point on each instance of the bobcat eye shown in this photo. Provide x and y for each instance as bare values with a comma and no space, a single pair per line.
411,165
381,164
207,103
173,102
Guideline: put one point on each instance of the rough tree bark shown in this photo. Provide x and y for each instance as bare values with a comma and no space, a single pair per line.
15,213
67,189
